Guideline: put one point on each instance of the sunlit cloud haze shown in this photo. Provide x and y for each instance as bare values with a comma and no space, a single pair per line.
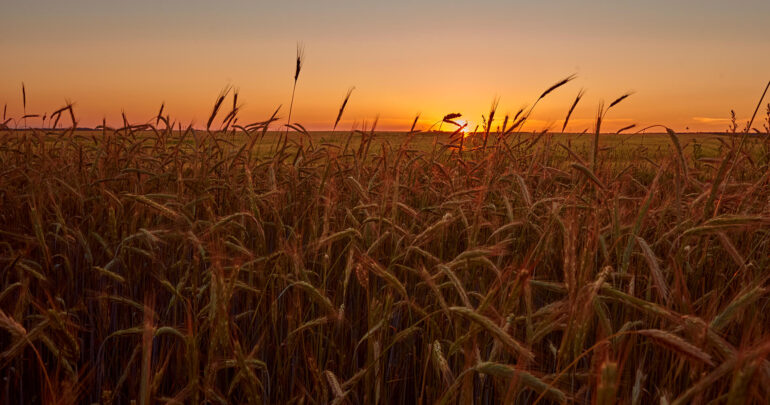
688,62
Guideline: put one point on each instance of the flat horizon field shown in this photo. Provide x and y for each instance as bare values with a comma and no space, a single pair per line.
158,265
711,141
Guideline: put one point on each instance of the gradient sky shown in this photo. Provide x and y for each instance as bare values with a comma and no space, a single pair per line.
688,61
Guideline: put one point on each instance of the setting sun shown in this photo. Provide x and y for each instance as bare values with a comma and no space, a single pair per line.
465,126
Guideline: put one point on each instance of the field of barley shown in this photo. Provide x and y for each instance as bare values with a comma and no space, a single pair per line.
262,263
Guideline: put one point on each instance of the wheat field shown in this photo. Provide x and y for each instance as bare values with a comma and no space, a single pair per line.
263,263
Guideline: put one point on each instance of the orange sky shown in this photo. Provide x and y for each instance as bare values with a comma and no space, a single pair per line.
689,63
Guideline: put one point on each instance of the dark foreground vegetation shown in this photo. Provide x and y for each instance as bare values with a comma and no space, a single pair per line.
164,266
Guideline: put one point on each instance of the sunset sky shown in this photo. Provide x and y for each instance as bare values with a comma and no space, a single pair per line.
689,62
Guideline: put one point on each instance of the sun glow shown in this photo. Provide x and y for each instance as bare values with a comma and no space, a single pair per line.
465,127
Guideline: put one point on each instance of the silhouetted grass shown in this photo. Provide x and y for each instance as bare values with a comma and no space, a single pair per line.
163,265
